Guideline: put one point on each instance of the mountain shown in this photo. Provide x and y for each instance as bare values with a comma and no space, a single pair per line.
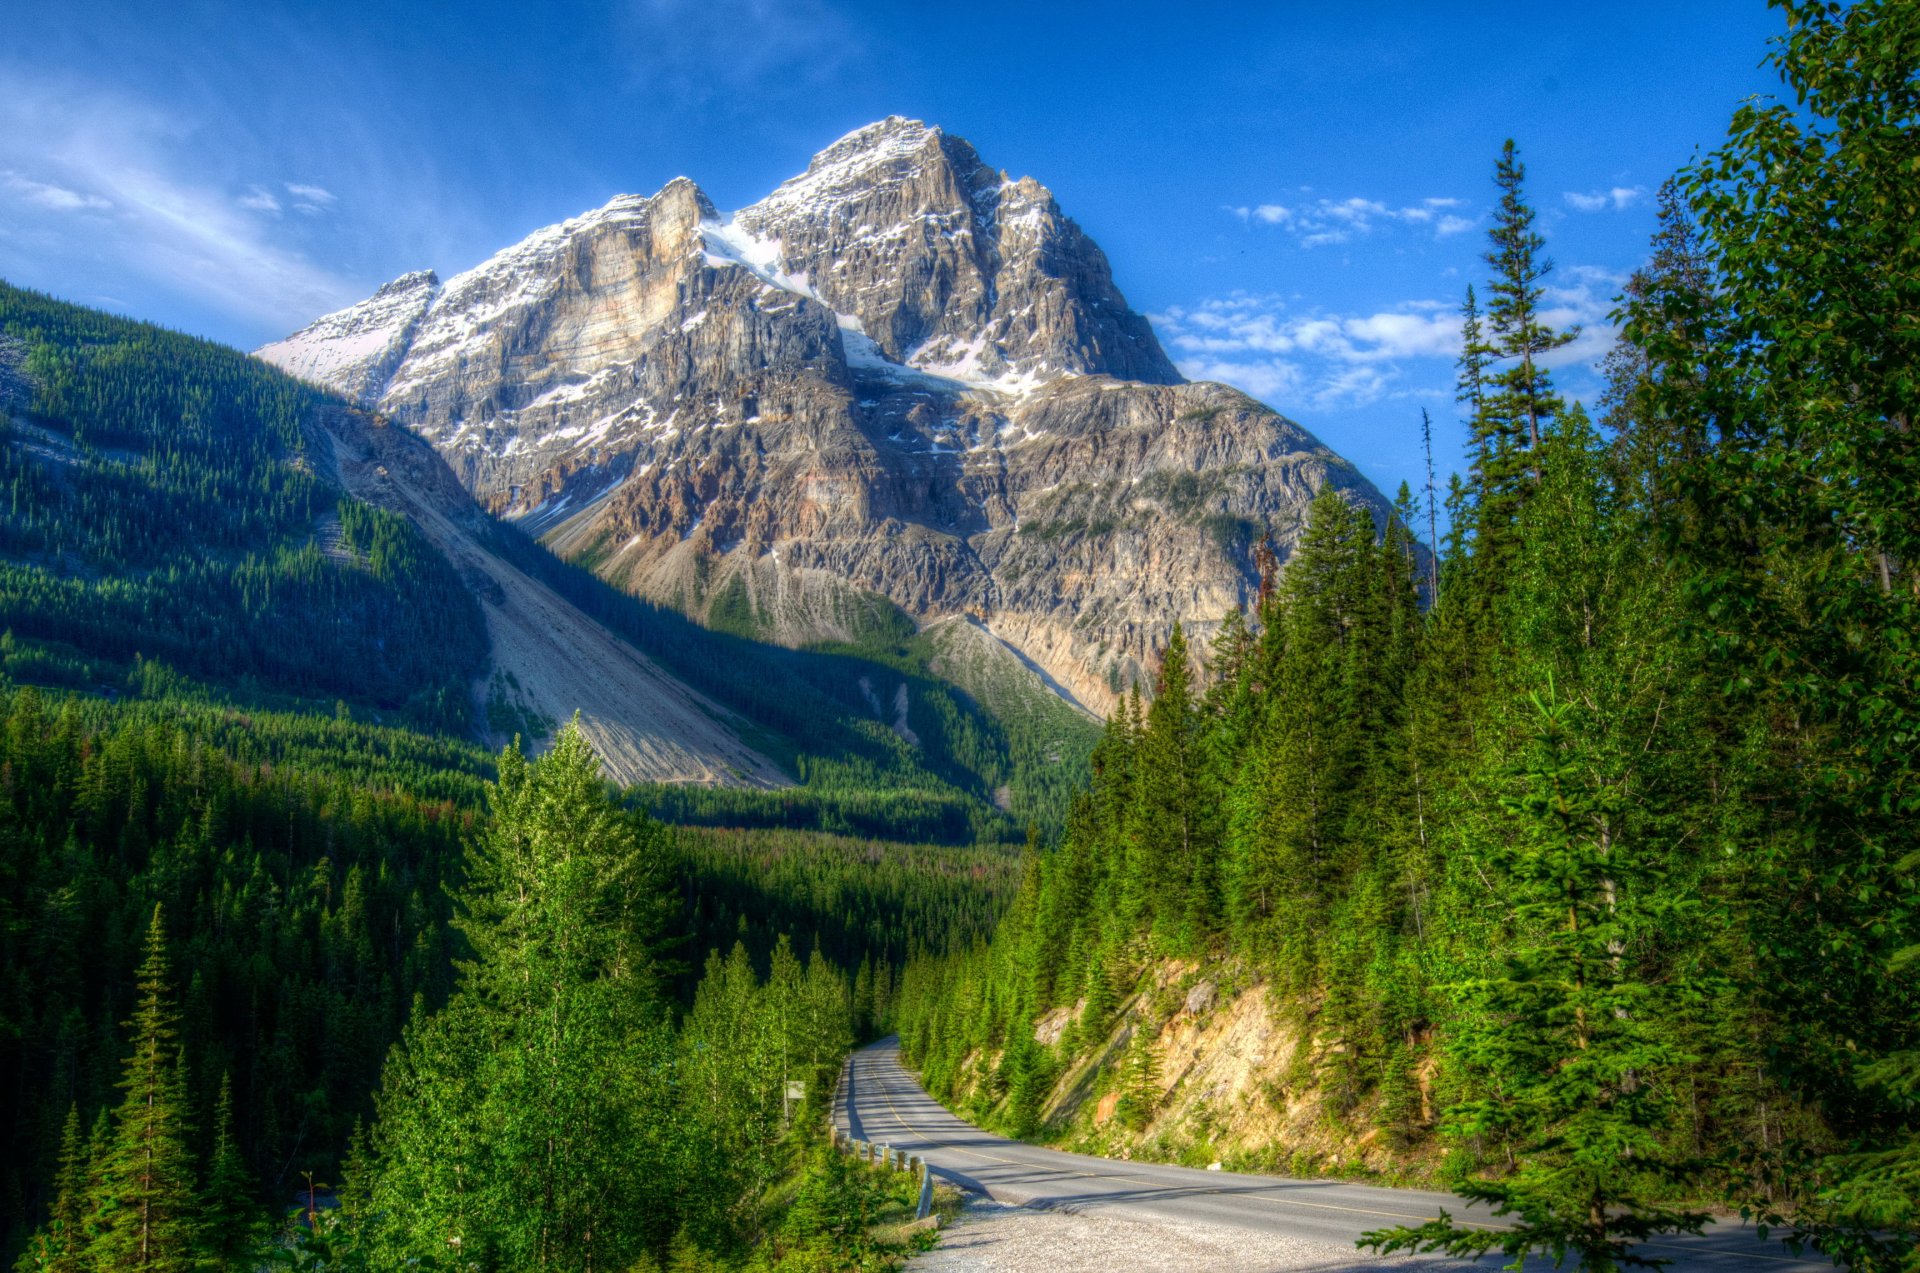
901,373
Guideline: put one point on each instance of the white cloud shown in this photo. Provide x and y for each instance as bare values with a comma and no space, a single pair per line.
171,224
1618,199
311,199
1332,361
1323,360
1273,380
1587,301
54,198
1322,222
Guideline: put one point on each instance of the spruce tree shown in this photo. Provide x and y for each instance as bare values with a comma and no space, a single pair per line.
1522,391
1140,1078
1802,546
1433,514
529,1123
143,1206
1173,873
1515,402
230,1217
60,1246
1566,1034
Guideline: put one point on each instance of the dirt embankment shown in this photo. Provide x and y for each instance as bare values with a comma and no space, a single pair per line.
1243,1079
555,660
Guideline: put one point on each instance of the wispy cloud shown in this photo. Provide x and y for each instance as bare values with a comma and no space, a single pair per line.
1617,199
1320,222
1583,296
1318,359
43,194
66,148
311,199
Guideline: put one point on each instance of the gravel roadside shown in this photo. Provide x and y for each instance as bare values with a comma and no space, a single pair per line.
997,1238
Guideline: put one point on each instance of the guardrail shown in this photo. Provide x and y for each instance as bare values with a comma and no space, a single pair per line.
894,1159
872,1152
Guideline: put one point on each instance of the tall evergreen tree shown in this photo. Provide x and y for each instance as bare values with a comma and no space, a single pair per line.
1516,402
1801,539
1172,878
1568,1033
143,1206
229,1214
528,1124
61,1244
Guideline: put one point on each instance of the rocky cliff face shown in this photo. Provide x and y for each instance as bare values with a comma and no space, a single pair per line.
900,373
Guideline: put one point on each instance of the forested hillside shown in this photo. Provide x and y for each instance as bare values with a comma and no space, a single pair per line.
1580,874
161,499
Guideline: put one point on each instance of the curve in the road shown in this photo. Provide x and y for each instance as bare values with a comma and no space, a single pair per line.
880,1101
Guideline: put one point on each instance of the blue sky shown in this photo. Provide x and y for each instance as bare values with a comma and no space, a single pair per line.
1296,193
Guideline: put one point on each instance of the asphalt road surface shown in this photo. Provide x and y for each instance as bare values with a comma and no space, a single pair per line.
881,1102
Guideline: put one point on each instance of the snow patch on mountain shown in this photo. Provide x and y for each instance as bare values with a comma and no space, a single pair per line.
349,350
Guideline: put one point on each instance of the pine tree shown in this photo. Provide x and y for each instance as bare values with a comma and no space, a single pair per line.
1515,402
143,1206
60,1246
1295,794
230,1217
1522,391
864,1017
1802,545
1172,879
529,1122
1569,1032
1433,515
1140,1079
1651,406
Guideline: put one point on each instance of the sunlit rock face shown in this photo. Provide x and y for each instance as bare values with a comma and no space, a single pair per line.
901,373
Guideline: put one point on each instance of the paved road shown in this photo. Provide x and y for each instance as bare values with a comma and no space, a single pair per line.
881,1102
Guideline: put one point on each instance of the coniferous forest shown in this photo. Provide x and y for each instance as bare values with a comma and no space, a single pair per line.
1563,817
1584,849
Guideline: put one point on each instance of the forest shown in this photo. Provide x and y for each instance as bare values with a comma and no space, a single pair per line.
168,499
248,953
1584,851
162,499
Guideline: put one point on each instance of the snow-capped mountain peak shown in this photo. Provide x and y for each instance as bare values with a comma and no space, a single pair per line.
881,377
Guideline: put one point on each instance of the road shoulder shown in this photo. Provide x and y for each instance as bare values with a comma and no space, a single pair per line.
995,1237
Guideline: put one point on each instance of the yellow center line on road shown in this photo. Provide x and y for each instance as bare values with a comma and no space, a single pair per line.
1283,1203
